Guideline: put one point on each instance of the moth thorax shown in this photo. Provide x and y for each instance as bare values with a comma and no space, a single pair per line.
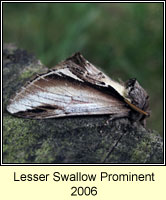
137,94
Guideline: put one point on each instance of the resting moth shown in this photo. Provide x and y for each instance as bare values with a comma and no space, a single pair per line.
76,87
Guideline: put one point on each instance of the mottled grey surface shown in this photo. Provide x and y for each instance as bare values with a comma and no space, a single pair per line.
88,139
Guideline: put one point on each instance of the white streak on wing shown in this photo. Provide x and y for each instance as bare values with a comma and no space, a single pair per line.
67,72
89,108
66,91
32,101
117,86
15,107
64,71
107,80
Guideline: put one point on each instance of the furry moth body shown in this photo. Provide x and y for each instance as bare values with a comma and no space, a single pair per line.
76,87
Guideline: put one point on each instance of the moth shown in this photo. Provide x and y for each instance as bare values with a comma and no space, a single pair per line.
76,87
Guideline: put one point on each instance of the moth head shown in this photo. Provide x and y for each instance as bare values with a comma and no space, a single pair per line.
138,96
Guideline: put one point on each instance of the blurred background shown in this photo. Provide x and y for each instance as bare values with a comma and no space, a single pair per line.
124,39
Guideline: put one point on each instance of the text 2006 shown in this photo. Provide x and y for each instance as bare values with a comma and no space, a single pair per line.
80,191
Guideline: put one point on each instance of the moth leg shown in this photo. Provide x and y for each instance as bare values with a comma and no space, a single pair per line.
115,116
143,122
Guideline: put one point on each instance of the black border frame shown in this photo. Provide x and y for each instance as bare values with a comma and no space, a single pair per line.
82,164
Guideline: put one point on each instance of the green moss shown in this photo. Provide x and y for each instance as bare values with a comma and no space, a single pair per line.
141,150
26,74
18,140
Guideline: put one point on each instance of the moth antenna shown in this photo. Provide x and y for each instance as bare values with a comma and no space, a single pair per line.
136,108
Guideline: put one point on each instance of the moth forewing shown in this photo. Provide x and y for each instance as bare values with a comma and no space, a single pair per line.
75,87
60,97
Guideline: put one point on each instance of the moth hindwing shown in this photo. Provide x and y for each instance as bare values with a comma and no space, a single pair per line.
76,87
